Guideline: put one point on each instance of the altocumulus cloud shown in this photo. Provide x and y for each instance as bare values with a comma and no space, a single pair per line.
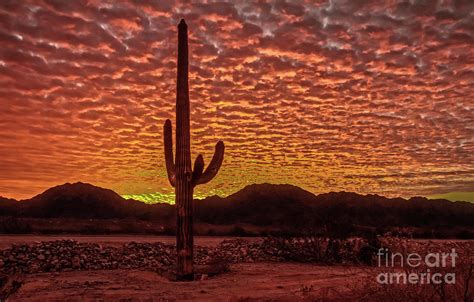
364,96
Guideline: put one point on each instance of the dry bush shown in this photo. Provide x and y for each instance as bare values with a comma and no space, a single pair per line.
317,249
217,266
214,267
463,289
8,286
14,225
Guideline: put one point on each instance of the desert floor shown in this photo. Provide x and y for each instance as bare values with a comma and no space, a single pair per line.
245,282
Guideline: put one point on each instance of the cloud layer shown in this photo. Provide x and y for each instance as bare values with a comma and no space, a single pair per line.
340,95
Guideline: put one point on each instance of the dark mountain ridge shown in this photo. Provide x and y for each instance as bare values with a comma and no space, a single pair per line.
277,206
268,204
82,201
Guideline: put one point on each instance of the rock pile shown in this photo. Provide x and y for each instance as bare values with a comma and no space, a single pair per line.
233,251
68,255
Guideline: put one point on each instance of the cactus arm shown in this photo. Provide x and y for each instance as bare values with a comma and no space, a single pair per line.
214,166
198,168
168,139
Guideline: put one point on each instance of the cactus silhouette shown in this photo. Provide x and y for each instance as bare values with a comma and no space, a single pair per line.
179,170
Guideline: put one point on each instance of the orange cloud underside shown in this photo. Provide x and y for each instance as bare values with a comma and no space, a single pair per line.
354,96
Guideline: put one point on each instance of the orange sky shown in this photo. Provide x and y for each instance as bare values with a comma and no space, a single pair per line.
347,95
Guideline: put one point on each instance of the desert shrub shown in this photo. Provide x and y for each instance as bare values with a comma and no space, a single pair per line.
366,254
8,286
339,230
330,245
333,251
131,226
313,249
211,232
215,266
462,290
368,251
94,229
239,232
13,225
218,266
465,234
169,230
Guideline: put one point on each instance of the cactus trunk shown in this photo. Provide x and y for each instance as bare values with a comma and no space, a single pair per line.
179,170
184,235
183,189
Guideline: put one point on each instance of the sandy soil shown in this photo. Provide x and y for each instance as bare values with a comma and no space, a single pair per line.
246,282
7,240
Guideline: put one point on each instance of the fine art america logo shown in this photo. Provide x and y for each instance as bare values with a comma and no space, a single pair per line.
413,268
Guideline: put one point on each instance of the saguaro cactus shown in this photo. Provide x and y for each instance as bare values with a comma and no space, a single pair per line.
179,170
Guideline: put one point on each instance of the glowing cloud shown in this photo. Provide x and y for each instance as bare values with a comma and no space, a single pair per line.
348,95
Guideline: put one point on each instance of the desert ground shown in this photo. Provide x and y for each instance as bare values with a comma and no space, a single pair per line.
245,282
255,281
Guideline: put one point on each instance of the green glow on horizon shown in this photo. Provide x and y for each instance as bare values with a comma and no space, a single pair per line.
151,198
454,196
157,197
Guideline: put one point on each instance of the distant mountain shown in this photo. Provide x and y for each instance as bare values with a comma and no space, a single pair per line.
8,206
286,205
275,206
84,201
4,199
259,204
381,211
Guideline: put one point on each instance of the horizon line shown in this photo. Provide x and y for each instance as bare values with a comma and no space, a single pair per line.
168,198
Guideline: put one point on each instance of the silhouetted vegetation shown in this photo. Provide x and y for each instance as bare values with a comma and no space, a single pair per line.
14,225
